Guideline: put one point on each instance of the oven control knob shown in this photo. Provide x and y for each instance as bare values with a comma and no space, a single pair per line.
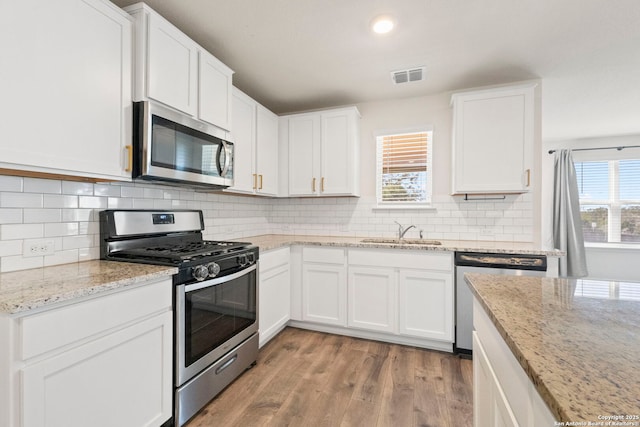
242,260
200,272
213,269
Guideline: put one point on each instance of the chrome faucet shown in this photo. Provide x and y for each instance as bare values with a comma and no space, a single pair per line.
402,231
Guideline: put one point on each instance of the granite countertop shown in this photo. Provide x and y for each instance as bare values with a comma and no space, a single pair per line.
34,288
273,241
581,352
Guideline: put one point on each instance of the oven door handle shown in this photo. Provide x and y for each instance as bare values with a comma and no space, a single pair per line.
218,280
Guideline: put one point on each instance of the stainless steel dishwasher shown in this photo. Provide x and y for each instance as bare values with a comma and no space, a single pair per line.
488,263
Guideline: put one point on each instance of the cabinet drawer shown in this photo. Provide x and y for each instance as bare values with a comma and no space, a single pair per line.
323,255
422,260
55,328
274,258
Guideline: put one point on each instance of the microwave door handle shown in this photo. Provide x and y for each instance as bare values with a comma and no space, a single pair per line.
227,158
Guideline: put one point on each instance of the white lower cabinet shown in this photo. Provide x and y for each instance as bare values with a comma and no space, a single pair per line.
390,295
372,298
503,394
324,286
491,407
274,290
115,380
425,304
99,362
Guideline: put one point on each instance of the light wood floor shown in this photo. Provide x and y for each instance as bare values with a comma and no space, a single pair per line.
311,379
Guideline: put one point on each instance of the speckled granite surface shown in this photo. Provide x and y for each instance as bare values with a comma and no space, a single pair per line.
29,289
582,353
273,241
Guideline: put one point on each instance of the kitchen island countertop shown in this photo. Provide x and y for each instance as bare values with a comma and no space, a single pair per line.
25,290
580,350
273,241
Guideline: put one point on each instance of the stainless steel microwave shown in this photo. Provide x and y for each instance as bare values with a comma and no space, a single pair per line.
169,146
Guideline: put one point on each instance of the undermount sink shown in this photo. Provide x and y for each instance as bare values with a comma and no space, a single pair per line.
403,241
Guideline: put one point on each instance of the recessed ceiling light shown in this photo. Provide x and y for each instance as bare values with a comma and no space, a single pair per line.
383,24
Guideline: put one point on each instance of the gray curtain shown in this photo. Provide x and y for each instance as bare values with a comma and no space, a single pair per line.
567,225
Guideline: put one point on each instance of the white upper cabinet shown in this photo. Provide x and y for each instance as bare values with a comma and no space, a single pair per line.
255,138
323,149
66,88
493,138
215,91
173,69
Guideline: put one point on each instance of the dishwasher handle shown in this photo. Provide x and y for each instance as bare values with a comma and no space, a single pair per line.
501,260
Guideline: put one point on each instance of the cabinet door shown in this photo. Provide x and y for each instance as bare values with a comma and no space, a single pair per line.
214,100
66,87
482,388
304,139
243,137
490,405
172,66
275,302
493,141
372,298
338,139
267,152
83,386
324,294
426,304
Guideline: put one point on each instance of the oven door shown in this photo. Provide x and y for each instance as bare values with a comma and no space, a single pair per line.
212,317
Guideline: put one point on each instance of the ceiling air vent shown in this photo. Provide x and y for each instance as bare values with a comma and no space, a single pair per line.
406,76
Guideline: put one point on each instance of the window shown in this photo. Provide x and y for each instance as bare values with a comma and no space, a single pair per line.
610,200
404,169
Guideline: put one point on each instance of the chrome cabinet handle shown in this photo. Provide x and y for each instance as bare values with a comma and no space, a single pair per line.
255,181
313,185
528,177
322,184
260,187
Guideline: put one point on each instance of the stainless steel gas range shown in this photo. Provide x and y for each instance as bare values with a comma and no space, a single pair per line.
215,299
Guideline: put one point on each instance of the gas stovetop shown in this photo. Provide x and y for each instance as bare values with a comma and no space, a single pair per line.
173,238
180,252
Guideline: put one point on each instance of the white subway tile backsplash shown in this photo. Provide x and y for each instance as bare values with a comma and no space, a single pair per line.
10,215
38,185
10,247
17,262
106,190
71,218
77,242
143,204
42,215
77,188
21,200
60,201
132,192
61,229
10,183
62,257
93,202
21,231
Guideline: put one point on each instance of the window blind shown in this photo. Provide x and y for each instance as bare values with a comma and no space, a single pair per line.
610,200
403,162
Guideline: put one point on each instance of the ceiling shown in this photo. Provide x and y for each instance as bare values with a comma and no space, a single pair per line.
298,55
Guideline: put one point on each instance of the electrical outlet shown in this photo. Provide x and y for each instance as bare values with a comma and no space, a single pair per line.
38,247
